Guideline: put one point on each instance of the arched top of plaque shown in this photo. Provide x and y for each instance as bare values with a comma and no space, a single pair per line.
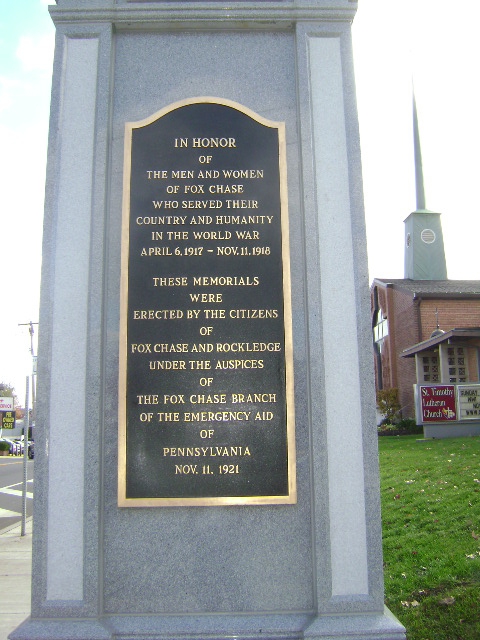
205,100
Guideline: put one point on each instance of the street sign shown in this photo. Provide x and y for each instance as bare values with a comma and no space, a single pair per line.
6,403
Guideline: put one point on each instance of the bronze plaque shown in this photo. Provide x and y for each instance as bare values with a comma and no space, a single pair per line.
206,410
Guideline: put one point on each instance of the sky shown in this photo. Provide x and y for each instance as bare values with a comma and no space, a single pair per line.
424,43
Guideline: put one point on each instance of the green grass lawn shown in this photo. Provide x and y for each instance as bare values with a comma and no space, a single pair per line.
431,535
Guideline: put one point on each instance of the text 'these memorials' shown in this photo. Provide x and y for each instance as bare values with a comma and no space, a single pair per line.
203,203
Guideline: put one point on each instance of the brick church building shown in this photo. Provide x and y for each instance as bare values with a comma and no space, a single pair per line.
426,328
421,313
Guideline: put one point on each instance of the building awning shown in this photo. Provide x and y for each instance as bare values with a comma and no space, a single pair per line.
453,335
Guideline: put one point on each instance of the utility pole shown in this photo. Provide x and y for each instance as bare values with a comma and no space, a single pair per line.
31,331
27,423
25,462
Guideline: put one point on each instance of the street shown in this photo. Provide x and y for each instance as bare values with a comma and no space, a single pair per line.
11,483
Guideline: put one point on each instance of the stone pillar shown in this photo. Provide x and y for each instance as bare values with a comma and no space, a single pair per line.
307,570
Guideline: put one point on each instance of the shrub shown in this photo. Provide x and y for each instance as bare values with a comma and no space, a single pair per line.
408,424
4,446
404,427
388,404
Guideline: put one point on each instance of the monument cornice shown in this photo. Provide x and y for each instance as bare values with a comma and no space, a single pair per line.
237,15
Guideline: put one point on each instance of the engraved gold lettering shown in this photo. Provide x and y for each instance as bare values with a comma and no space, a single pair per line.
202,347
244,219
167,220
264,416
170,282
197,365
216,416
201,220
186,469
242,204
226,281
168,416
239,364
208,173
166,365
206,297
253,314
237,347
156,251
140,348
178,347
243,398
216,143
196,452
193,188
201,204
177,235
157,175
212,235
165,204
215,398
147,399
182,174
248,235
226,188
157,314
228,468
178,398
243,173
181,142
212,314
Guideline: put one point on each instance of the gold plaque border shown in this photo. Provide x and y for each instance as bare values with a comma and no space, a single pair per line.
291,497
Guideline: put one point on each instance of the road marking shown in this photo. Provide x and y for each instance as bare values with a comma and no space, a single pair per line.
15,484
15,492
5,513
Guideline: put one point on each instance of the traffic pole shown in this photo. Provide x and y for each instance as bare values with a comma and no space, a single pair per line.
26,422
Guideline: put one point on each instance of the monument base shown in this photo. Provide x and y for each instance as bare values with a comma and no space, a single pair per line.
221,627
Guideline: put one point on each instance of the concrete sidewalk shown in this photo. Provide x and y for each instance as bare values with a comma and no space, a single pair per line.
15,577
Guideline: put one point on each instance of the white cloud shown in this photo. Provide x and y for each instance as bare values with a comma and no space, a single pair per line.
7,89
36,53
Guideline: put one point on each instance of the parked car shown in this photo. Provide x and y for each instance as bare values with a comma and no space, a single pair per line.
19,444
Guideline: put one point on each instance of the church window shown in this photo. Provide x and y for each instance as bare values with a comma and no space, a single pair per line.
430,368
456,364
380,330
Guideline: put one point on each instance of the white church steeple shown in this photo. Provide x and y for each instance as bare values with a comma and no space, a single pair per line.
424,250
